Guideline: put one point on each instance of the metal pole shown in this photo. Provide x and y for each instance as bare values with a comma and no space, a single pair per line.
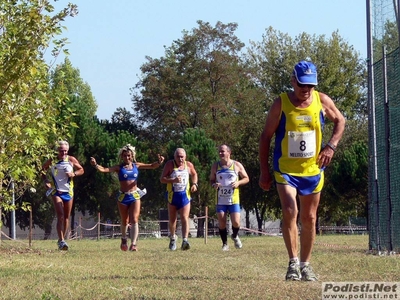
372,125
13,211
396,11
387,152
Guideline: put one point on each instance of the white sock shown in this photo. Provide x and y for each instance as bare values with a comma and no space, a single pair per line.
304,263
295,259
134,232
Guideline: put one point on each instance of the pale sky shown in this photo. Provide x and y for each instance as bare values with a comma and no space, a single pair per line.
110,39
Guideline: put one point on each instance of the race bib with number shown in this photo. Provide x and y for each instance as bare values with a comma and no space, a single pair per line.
225,195
181,186
301,144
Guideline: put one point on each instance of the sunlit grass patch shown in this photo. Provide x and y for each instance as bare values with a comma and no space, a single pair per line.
94,269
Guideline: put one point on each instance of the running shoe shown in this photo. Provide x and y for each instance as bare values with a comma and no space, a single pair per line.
62,245
307,274
225,247
293,271
133,247
185,245
172,242
124,244
238,243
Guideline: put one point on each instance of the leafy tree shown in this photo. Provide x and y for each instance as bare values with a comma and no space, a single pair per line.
341,72
28,112
79,108
122,120
346,191
196,85
75,96
202,82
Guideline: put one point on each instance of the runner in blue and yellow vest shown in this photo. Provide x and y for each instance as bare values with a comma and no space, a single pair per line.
177,174
226,176
61,187
300,156
129,195
298,142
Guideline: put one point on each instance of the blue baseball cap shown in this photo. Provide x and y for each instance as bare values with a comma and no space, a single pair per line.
306,73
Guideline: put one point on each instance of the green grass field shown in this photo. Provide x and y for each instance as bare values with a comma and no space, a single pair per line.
94,269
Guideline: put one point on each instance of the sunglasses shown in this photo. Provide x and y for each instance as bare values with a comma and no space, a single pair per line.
300,85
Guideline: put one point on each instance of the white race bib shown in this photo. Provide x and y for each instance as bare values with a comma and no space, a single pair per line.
225,195
301,144
181,186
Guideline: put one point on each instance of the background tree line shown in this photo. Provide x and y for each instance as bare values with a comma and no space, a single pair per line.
206,90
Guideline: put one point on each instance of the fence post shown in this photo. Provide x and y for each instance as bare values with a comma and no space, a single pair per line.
206,225
1,224
80,236
98,226
30,227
